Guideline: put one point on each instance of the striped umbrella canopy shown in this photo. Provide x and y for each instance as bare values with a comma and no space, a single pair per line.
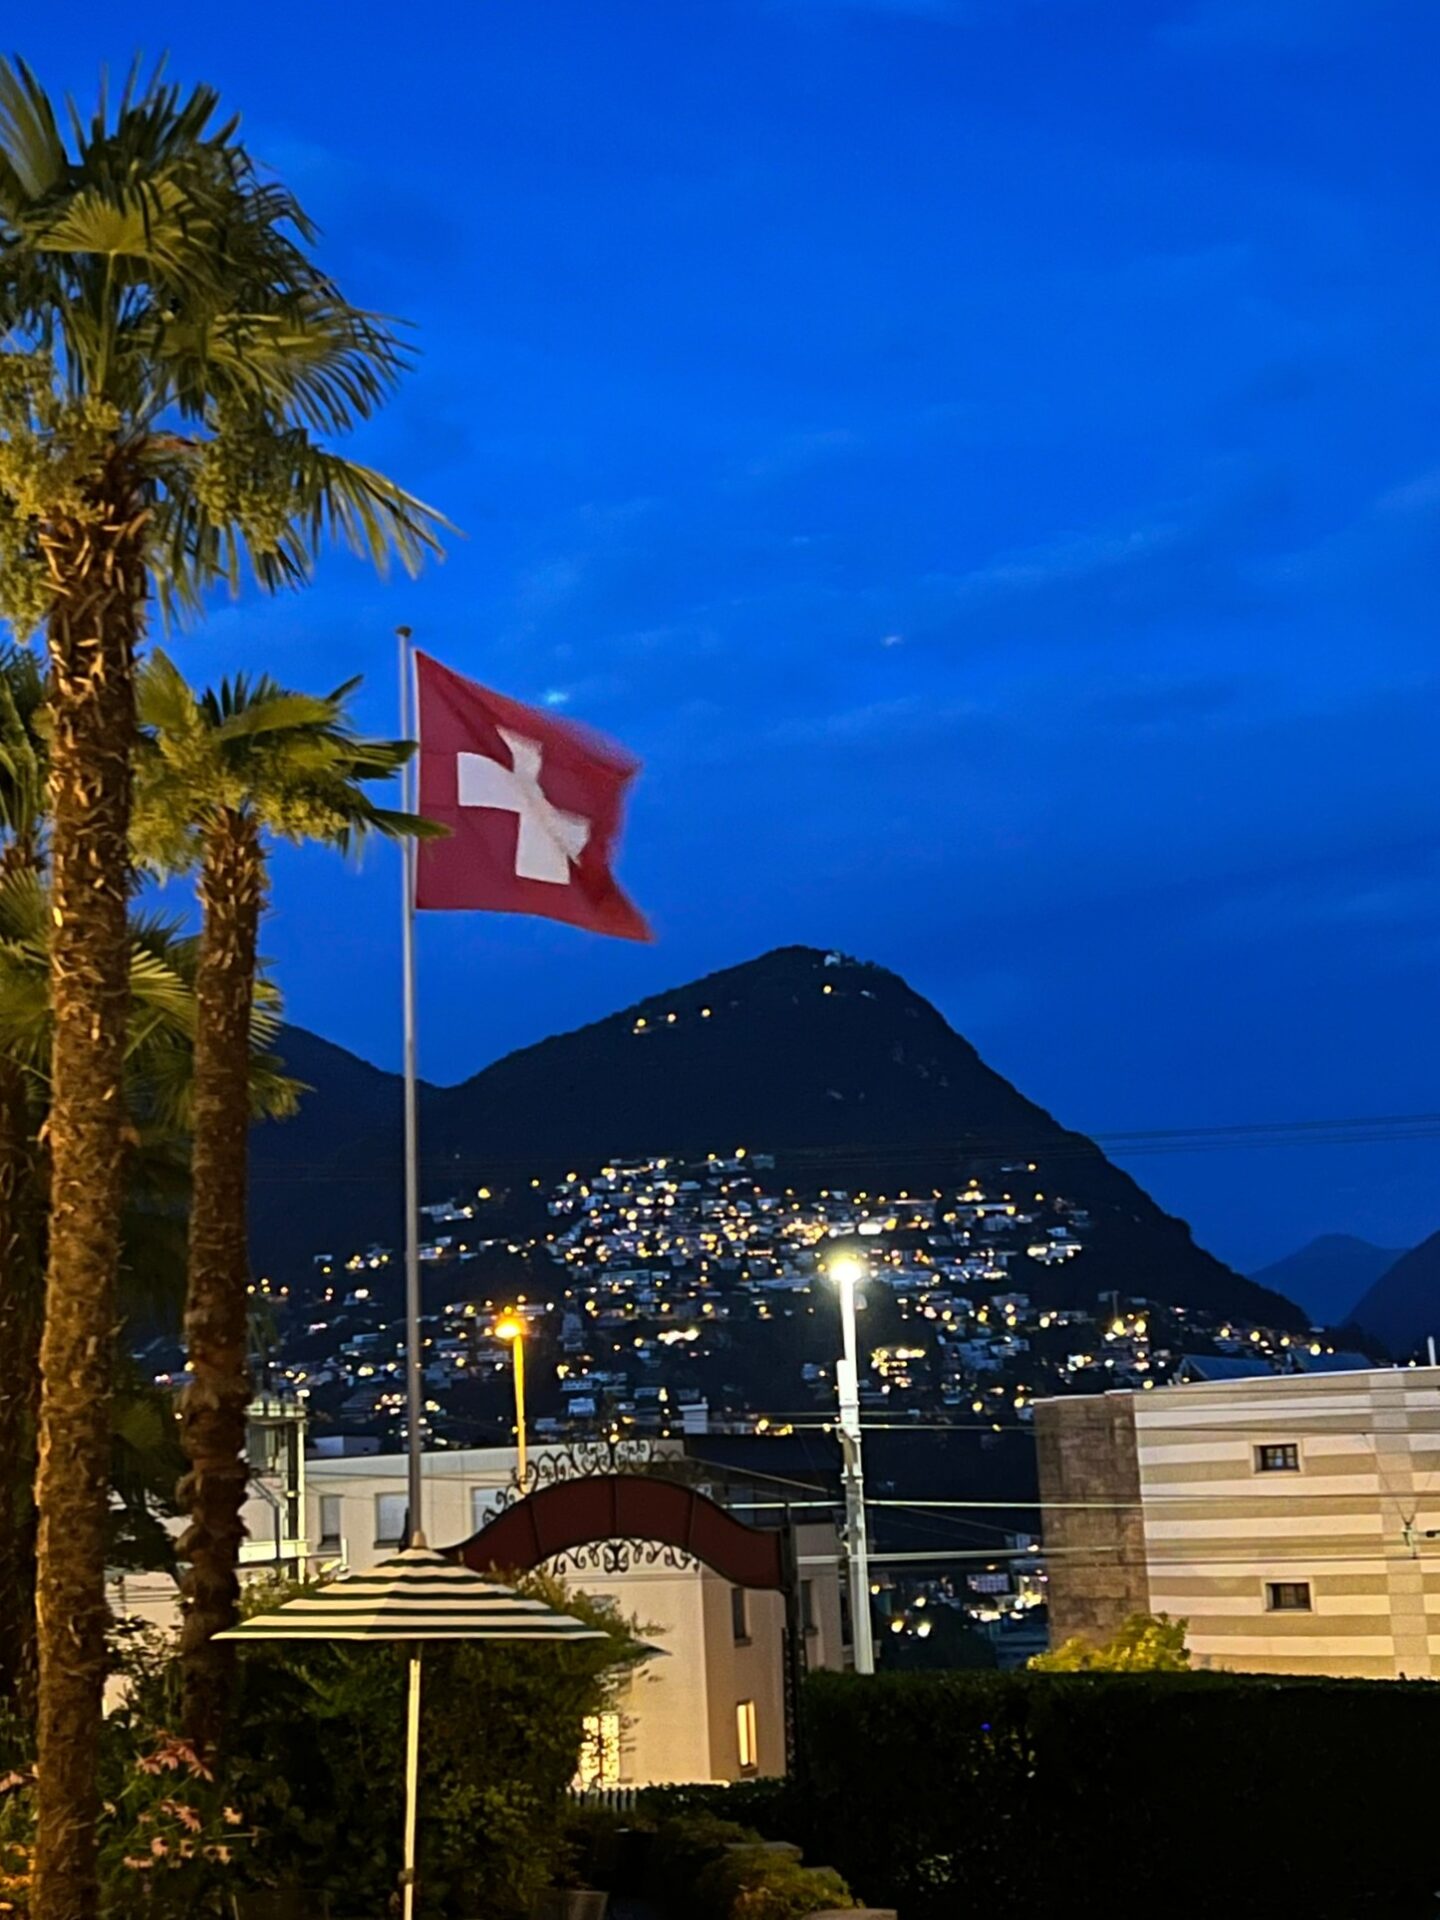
418,1595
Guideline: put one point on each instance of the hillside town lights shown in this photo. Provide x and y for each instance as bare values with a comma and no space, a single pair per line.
847,1272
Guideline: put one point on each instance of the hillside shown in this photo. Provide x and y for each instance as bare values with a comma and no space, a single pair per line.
836,1066
1403,1306
1328,1275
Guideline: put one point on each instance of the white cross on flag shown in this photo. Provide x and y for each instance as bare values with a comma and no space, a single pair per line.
533,804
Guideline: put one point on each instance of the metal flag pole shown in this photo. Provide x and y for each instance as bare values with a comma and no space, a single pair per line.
414,1376
412,1785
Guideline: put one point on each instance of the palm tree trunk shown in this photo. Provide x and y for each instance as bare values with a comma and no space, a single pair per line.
212,1412
98,573
21,1312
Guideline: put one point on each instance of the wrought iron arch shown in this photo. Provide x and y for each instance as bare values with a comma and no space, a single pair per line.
593,1511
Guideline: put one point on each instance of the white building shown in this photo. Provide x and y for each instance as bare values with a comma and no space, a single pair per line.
1292,1519
711,1706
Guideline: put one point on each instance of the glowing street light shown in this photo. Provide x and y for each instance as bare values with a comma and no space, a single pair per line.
512,1328
846,1271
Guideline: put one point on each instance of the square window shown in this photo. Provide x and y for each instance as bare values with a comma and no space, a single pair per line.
745,1736
740,1616
1278,1458
1287,1596
330,1512
390,1512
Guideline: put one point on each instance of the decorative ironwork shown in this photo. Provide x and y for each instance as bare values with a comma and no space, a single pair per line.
622,1556
615,1453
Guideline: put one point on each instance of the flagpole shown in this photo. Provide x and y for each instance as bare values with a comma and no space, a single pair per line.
414,1373
412,1785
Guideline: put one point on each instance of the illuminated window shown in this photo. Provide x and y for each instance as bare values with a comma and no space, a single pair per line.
599,1752
745,1736
1287,1596
1277,1459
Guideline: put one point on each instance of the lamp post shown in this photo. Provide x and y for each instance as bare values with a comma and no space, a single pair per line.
512,1328
847,1272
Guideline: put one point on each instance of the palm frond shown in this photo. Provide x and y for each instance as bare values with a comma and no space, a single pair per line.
23,755
362,509
30,143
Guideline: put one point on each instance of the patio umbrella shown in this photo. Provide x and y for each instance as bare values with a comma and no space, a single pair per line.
418,1595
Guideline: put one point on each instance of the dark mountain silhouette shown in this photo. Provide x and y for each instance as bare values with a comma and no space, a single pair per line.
1403,1306
836,1066
1328,1275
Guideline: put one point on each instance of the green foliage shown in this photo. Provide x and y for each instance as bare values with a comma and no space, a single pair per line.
1015,1794
684,1847
767,1805
172,1843
709,1868
755,1885
1145,1643
23,760
291,761
315,1753
163,320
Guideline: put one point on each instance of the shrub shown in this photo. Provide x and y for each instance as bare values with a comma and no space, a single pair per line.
756,1885
1145,1643
315,1753
706,1868
767,1804
171,1843
684,1848
1117,1793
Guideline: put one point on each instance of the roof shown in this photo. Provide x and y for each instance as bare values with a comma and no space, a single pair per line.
1219,1366
1306,1362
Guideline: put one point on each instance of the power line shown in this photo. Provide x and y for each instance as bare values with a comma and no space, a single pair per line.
1354,1129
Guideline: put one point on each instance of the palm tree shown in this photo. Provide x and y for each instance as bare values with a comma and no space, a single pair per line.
218,776
158,1099
22,800
171,354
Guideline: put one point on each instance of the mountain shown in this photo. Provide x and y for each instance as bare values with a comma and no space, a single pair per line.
1328,1275
834,1065
1403,1306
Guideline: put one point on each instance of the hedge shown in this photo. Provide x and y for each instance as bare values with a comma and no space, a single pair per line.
1018,1794
706,1868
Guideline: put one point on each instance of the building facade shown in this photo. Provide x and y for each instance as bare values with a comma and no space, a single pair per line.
710,1706
1292,1519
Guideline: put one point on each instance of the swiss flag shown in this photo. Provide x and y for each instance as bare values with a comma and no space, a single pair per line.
533,805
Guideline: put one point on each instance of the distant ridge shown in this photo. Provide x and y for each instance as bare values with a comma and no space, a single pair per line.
1403,1306
1328,1275
834,1064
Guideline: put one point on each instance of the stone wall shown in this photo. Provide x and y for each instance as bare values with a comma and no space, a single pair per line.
1095,1551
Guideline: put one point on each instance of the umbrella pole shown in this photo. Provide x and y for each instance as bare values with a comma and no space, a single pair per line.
412,1784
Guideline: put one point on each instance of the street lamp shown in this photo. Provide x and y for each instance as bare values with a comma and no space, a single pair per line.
512,1328
846,1271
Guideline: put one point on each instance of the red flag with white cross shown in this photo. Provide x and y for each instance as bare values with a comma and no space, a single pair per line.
533,803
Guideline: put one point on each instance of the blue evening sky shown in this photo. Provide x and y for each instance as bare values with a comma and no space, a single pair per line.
983,454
